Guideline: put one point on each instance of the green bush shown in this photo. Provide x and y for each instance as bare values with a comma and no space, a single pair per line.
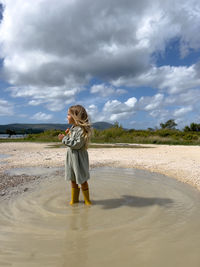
164,132
190,137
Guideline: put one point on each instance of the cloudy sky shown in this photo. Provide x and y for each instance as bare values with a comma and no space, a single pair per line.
132,61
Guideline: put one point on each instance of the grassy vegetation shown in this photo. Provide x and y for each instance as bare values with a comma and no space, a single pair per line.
161,136
117,134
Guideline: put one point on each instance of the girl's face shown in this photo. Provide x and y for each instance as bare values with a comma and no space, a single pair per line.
69,118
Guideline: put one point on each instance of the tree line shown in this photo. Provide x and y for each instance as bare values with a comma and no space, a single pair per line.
170,124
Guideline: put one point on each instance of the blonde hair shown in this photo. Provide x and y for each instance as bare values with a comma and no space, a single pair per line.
80,117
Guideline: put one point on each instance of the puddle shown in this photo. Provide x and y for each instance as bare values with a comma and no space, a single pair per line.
32,171
3,156
137,219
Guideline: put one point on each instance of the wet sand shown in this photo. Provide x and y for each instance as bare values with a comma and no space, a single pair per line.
180,162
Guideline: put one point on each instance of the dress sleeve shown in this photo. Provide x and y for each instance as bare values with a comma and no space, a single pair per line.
75,140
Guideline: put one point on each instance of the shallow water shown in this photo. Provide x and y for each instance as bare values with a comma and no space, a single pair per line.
2,157
33,171
137,219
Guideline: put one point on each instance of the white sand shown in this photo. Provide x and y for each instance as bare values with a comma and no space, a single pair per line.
180,162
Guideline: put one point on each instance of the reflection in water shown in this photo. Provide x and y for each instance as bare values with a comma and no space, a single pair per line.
78,223
137,219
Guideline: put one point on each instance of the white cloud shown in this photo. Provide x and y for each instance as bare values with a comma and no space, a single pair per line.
179,79
92,108
6,108
113,110
166,78
105,90
120,116
102,89
116,106
35,102
182,111
94,113
151,103
54,98
40,116
131,102
116,110
190,97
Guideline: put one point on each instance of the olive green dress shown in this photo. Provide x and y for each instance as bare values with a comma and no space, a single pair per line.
77,160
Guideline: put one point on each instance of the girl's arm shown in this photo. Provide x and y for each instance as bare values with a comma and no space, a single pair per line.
75,140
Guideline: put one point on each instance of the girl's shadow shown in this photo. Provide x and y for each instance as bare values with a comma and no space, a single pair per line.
132,201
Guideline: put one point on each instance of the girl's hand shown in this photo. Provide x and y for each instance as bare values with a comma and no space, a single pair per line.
67,131
60,136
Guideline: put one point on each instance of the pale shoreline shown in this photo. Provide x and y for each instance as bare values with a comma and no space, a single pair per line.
180,162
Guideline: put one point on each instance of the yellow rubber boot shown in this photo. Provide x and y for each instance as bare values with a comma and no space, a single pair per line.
75,196
86,196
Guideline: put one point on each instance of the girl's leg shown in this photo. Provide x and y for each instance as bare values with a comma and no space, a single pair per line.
84,186
75,193
74,184
85,191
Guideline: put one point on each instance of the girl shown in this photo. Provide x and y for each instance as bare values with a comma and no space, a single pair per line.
77,162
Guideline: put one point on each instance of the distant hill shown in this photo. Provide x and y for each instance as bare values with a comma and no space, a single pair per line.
20,128
101,125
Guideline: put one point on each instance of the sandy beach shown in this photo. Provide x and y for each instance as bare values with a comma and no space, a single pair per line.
180,162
